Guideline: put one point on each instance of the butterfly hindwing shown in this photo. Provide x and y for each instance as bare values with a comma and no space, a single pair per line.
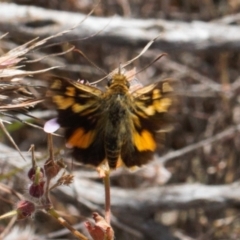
94,154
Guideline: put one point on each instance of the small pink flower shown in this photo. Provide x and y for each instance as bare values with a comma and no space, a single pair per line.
51,126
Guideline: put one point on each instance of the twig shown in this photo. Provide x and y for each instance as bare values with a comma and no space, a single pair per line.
220,136
8,228
182,196
11,139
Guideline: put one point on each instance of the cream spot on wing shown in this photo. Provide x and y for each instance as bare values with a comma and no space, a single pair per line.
156,94
77,108
150,110
166,87
63,102
71,91
162,105
56,85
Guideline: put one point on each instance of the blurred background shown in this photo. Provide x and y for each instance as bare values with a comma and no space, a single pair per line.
191,190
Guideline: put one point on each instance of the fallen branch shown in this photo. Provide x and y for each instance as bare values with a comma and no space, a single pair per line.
151,199
33,22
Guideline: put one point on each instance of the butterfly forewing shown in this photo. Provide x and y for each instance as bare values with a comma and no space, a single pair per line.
79,109
154,99
150,115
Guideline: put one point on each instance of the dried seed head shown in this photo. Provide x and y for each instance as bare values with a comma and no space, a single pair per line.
101,230
32,173
37,190
52,168
66,179
25,209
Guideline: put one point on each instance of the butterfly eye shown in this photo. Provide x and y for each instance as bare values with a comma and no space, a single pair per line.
109,83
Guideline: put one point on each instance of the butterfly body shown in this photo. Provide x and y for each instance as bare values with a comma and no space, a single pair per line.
116,126
117,118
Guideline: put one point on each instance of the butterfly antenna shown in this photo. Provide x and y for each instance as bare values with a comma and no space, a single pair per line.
120,68
52,55
152,62
148,45
135,58
91,62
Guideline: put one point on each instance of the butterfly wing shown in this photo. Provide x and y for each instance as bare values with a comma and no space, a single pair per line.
79,110
150,115
153,101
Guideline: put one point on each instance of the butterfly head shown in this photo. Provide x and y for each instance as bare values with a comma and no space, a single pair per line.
118,79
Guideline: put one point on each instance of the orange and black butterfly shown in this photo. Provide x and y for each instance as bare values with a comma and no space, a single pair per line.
115,126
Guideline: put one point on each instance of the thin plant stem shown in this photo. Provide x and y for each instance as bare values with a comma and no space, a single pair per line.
63,222
32,149
50,146
106,181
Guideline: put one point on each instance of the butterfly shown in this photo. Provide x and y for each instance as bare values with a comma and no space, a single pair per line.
116,126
